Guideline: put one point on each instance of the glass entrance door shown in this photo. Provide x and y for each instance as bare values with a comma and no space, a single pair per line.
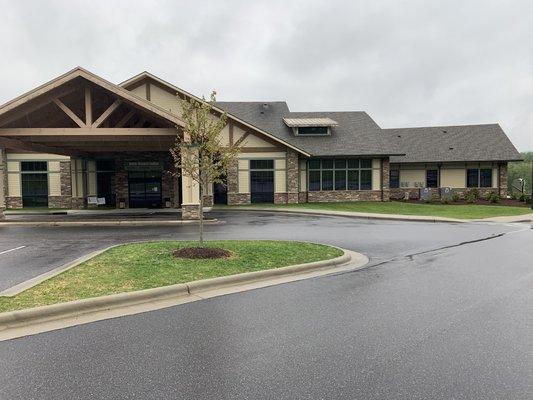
145,189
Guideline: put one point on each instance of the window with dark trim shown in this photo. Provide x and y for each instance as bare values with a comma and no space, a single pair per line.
472,178
432,178
394,178
340,174
485,177
481,177
313,130
34,183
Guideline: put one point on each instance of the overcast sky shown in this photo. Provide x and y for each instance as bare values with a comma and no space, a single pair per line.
407,63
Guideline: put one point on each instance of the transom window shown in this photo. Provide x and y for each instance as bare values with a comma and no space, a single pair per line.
33,166
479,177
313,130
261,164
340,174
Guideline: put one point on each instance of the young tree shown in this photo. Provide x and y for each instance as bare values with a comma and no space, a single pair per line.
198,152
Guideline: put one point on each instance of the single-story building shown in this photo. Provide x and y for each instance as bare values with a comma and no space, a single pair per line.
80,141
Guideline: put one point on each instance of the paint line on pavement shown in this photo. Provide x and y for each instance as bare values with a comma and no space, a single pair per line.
10,250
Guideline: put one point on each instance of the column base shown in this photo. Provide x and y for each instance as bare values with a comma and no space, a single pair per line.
190,211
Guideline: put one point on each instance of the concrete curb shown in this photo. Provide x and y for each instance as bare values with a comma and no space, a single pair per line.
108,223
19,288
29,318
370,216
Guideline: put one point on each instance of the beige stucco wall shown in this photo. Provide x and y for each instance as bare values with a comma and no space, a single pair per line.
91,178
454,178
164,99
303,175
140,91
376,174
412,178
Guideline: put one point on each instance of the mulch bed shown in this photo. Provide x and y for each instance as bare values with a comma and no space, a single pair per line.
202,253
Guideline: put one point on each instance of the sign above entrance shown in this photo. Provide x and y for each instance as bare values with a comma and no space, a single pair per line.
143,166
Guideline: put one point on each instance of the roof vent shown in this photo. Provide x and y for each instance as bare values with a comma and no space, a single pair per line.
444,131
450,148
265,107
399,135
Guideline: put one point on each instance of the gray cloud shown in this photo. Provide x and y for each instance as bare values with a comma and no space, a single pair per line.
407,63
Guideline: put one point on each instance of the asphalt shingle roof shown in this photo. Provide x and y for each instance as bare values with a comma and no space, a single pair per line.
452,143
356,134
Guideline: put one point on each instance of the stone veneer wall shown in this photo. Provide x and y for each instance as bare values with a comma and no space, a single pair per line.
14,202
65,200
385,179
414,193
343,195
239,198
503,177
292,179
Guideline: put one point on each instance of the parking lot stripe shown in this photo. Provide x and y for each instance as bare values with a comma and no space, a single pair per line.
13,249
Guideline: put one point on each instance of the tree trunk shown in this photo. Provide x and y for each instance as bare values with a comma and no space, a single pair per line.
201,217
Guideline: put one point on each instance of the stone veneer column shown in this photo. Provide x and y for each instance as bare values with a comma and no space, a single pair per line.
385,178
3,181
503,178
292,177
121,182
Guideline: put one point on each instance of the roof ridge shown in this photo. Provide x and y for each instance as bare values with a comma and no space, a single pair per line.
441,126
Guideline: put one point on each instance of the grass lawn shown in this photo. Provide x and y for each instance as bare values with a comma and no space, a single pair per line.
149,265
461,211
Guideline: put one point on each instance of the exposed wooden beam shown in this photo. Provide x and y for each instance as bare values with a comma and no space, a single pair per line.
241,139
107,113
88,106
10,132
69,112
17,144
125,119
35,105
259,149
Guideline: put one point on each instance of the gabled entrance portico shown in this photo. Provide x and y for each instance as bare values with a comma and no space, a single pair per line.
113,141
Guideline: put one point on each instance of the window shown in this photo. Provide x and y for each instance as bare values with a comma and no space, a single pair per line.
34,183
31,166
261,164
485,177
394,178
314,180
366,179
340,174
313,130
472,177
432,180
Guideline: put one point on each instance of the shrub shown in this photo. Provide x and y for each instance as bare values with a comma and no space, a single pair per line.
471,198
493,198
474,193
456,197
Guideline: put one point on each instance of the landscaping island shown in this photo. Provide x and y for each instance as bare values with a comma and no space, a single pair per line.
459,211
141,266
